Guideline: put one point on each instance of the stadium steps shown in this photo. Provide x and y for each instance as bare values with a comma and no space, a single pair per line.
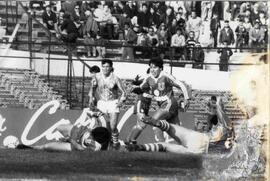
25,87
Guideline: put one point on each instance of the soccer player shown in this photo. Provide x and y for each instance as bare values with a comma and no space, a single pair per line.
104,90
188,141
90,136
160,87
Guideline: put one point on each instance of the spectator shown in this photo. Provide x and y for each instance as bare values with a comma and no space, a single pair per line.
118,7
162,34
180,21
194,24
182,12
226,34
68,6
100,41
90,31
168,17
255,13
130,38
189,6
99,15
76,13
130,9
190,44
178,43
207,7
152,35
235,9
198,57
49,18
69,31
205,37
87,5
225,54
247,24
256,35
60,17
122,21
172,29
245,6
214,26
153,18
144,17
241,33
143,42
264,25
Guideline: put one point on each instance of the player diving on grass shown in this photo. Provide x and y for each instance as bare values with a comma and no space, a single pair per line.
87,136
103,95
189,141
158,86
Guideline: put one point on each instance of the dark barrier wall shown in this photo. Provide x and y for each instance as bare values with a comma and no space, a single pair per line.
38,126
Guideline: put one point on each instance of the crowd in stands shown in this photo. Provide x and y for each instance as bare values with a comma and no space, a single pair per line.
158,24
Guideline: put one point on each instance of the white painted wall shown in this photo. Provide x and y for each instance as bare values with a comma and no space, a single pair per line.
199,79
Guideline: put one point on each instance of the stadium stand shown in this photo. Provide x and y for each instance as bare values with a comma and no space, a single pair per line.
25,88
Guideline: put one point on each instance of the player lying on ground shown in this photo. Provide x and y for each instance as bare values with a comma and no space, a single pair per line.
188,141
78,137
158,85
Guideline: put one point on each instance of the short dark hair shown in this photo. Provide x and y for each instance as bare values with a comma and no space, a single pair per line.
214,98
157,62
127,23
101,135
94,69
108,61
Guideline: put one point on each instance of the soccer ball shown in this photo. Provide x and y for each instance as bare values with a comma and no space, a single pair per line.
228,144
11,141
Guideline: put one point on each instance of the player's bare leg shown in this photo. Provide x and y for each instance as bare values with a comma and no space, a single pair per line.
54,146
160,114
136,130
114,130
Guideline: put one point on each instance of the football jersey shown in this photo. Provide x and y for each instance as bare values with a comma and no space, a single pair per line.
161,86
106,87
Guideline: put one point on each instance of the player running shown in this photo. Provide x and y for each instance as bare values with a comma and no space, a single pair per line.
103,92
159,86
189,141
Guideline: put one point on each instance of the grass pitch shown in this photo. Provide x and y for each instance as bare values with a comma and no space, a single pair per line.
106,165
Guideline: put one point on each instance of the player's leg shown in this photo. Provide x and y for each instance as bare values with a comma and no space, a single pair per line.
168,111
113,125
160,114
159,147
176,148
54,146
141,109
136,131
